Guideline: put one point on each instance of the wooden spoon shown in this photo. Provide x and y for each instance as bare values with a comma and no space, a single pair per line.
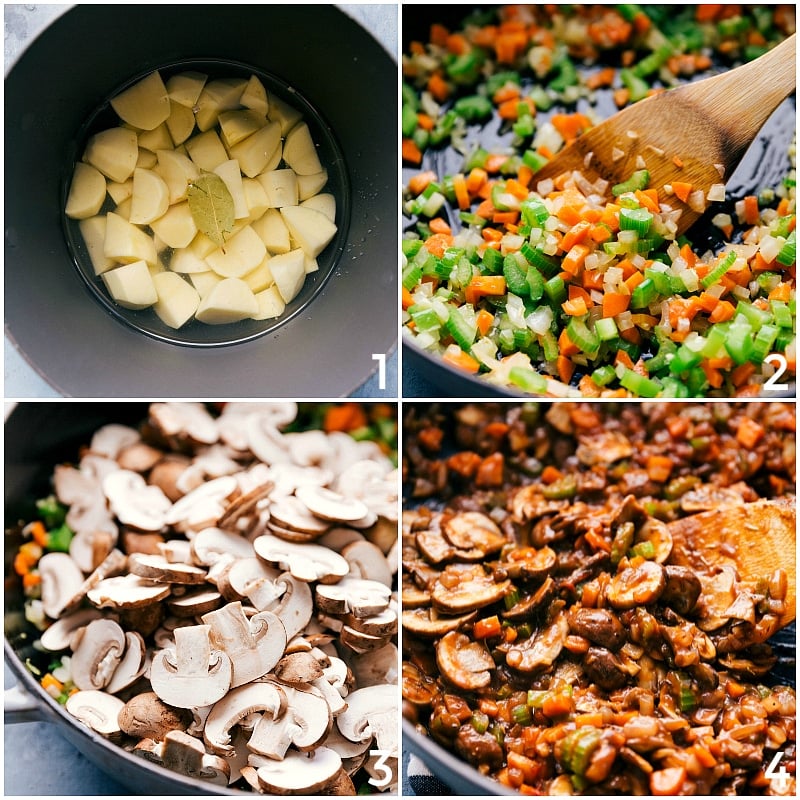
705,127
754,538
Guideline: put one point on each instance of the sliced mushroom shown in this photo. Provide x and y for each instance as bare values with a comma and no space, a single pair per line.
464,663
428,622
262,697
158,568
184,423
298,668
472,529
357,596
465,587
243,506
298,773
253,646
61,581
202,506
98,710
330,505
529,563
186,754
306,562
372,714
134,502
209,544
304,725
381,624
195,604
238,576
538,652
367,561
599,625
292,515
379,666
88,549
132,665
127,592
139,457
97,650
109,440
635,586
166,474
360,642
147,716
192,673
296,604
58,636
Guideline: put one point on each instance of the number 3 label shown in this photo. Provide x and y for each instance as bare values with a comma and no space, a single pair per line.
779,362
382,767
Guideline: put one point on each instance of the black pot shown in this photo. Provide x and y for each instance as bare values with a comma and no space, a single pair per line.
347,312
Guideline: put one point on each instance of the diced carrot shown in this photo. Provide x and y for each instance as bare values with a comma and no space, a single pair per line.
439,225
677,161
659,468
508,109
682,190
476,179
487,628
708,12
713,375
530,768
551,474
411,152
485,209
344,417
621,97
461,192
648,198
593,719
456,357
603,77
418,183
723,311
573,260
490,473
484,320
749,432
782,292
575,307
565,368
505,217
408,300
570,126
39,533
457,44
51,682
509,91
750,210
596,540
492,236
516,189
633,280
576,234
438,243
31,579
494,163
438,34
615,303
623,358
688,255
742,374
484,285
667,782
438,87
570,214
593,279
557,704
425,121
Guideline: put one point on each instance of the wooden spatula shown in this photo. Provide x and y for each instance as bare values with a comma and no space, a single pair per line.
754,538
696,133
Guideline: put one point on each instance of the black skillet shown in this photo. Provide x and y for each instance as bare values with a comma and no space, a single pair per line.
313,54
764,164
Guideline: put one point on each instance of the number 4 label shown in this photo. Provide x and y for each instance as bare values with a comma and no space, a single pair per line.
779,778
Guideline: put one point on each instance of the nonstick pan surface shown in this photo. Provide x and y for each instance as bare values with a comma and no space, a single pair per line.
764,165
53,319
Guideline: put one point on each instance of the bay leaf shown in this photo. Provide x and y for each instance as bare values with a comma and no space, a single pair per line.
211,206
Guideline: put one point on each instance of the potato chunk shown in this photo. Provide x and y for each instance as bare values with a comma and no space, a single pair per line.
131,285
145,105
87,192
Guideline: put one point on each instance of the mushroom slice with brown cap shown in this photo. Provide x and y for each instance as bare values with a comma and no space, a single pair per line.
464,663
195,604
98,710
381,624
202,506
166,475
192,673
428,622
296,604
134,502
361,642
473,530
357,596
290,517
97,650
330,505
88,548
253,645
139,457
306,562
298,773
209,544
529,563
243,506
261,697
304,725
637,585
109,440
378,666
158,568
146,716
539,651
61,581
465,587
367,560
58,636
132,665
372,713
298,668
127,592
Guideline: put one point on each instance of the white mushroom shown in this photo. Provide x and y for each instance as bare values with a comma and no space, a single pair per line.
298,773
61,580
127,592
377,666
195,604
88,548
110,439
184,422
237,579
134,502
307,562
59,635
186,755
357,596
296,604
158,568
253,646
261,697
330,505
304,725
209,544
367,560
97,651
98,710
146,716
372,714
202,506
139,457
132,665
192,673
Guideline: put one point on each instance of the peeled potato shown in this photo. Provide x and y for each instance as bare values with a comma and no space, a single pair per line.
87,192
289,272
114,152
206,150
230,300
324,203
273,231
177,299
232,176
131,285
270,304
300,152
309,185
242,253
185,87
255,152
261,277
125,242
176,228
310,228
280,186
180,122
178,171
254,96
150,197
145,105
93,231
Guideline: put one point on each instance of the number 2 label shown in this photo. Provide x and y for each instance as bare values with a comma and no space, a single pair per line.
778,361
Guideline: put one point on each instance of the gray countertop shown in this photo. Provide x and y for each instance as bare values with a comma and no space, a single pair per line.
22,24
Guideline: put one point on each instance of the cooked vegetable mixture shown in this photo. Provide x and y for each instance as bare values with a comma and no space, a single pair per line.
570,286
560,634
